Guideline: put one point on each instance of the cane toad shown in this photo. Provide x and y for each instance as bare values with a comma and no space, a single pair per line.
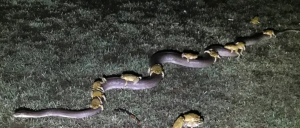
213,54
188,120
96,103
189,56
269,33
236,47
157,69
130,77
97,84
255,20
192,120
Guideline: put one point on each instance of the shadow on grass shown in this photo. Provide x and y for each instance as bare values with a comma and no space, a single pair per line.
22,109
213,46
190,51
242,38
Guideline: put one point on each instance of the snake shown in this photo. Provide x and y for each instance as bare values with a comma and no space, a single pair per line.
147,82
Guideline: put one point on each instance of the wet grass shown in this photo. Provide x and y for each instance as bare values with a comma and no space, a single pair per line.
51,51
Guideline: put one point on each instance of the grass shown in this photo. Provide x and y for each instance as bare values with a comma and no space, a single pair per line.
51,51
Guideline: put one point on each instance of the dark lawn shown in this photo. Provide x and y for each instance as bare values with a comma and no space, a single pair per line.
51,52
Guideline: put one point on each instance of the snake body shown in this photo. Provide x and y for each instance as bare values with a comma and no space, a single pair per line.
160,57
